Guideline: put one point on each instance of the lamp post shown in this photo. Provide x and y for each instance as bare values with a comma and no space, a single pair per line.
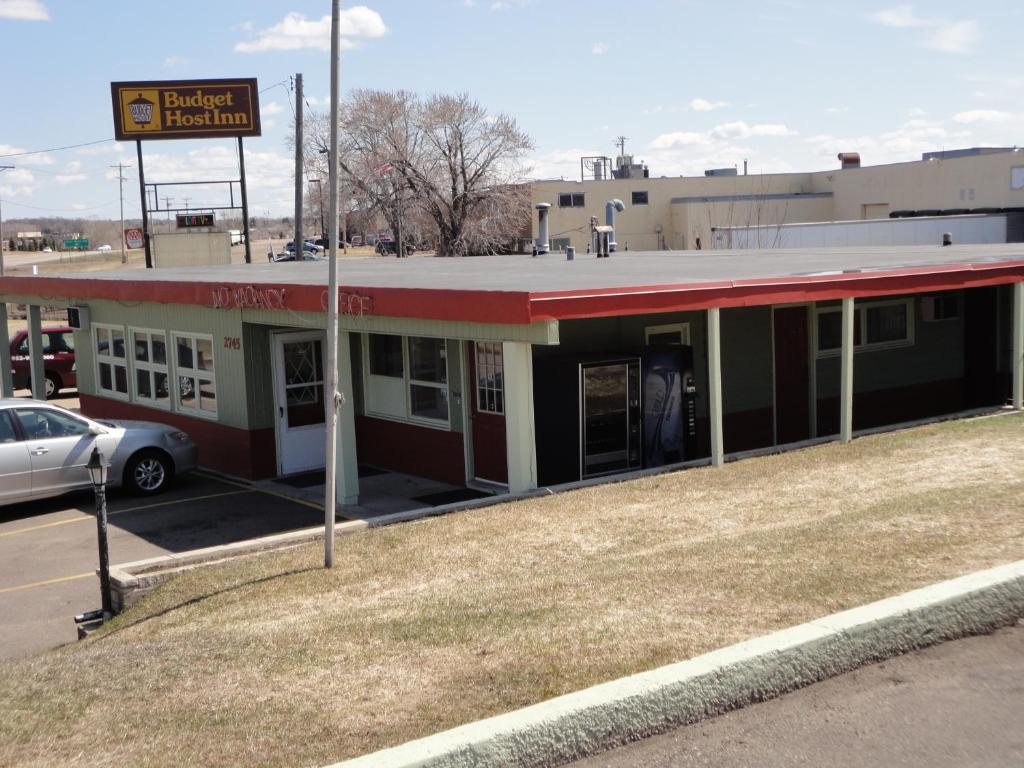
98,472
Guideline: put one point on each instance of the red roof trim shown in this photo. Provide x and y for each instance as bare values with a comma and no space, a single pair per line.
512,307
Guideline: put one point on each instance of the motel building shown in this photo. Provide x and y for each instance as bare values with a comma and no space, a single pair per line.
518,372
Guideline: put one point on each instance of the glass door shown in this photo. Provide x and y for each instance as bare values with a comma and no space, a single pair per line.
610,417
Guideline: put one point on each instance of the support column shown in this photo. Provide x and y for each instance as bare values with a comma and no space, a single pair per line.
35,353
6,384
520,436
715,386
1018,346
846,374
346,459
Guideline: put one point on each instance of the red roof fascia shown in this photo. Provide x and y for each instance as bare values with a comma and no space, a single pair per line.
564,305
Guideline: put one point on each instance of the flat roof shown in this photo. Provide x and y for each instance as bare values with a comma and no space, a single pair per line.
524,289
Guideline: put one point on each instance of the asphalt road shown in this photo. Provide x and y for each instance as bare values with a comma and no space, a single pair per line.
48,550
956,704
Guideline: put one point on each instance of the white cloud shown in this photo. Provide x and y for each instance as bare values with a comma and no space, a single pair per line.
836,110
943,35
70,178
296,32
599,48
24,10
740,130
958,37
680,139
703,105
175,61
972,116
271,108
73,166
505,5
899,17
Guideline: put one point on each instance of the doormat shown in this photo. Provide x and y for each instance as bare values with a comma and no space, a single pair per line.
305,479
368,471
450,497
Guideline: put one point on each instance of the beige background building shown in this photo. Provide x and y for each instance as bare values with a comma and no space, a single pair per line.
671,213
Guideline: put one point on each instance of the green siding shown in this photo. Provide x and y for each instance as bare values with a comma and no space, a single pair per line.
747,366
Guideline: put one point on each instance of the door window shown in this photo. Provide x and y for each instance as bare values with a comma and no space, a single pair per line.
490,385
303,383
39,424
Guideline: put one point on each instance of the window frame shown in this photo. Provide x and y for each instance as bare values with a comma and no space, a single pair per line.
861,317
152,368
112,360
576,199
494,369
682,328
194,373
408,382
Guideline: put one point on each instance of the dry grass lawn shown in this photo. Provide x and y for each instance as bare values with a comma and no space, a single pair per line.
421,627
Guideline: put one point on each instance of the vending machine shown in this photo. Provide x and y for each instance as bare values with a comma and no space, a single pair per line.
669,405
611,419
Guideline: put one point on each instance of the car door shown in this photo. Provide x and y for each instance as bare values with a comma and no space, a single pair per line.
15,463
59,446
62,349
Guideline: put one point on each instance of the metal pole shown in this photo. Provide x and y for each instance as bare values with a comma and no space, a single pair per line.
1018,346
245,201
334,398
297,239
715,385
101,535
2,169
145,214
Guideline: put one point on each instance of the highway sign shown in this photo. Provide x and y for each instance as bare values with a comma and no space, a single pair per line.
79,242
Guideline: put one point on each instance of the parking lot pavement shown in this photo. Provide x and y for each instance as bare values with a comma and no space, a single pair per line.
956,704
48,550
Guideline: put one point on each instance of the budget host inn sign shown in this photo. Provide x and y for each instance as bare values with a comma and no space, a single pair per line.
185,109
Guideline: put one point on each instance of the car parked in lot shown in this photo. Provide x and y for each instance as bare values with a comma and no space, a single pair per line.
44,450
58,360
103,248
290,256
307,246
387,245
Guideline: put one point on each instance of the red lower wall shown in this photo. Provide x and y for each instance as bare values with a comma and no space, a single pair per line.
420,451
249,453
896,405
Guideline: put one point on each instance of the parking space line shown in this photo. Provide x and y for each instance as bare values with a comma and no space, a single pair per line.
111,513
47,582
257,489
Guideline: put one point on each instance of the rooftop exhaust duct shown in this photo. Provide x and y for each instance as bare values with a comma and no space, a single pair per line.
543,246
610,208
849,160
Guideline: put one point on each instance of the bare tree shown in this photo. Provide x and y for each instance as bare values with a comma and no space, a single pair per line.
444,156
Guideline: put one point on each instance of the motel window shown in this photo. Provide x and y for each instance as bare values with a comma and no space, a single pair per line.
876,325
639,198
407,378
570,200
196,390
149,361
111,360
676,333
490,383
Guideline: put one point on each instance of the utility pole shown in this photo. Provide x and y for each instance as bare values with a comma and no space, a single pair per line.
167,207
297,239
2,169
121,180
320,196
334,399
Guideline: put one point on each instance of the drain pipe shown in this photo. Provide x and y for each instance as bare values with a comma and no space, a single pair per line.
609,218
543,246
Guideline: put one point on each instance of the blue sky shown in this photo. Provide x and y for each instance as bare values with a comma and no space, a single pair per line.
694,84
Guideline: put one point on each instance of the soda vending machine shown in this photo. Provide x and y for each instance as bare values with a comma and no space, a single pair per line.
669,405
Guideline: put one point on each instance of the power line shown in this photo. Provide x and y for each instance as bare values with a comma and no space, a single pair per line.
55,149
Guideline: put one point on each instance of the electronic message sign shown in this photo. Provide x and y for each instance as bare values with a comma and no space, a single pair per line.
185,109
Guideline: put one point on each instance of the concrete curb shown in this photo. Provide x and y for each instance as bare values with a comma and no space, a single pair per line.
589,721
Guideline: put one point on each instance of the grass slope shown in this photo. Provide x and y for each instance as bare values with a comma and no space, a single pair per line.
421,627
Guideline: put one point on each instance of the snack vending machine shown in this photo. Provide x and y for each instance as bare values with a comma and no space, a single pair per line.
610,417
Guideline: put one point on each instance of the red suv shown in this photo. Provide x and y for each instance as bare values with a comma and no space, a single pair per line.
58,360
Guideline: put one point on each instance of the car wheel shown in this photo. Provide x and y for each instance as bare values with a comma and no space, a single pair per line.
148,472
53,384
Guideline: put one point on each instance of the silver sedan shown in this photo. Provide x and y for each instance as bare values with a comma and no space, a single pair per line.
44,450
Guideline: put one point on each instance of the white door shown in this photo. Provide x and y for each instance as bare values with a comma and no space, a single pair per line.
299,400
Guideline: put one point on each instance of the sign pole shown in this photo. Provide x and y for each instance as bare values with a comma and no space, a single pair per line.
245,201
145,213
297,238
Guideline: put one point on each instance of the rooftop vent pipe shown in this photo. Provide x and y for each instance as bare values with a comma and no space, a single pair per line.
543,246
947,238
849,160
609,219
